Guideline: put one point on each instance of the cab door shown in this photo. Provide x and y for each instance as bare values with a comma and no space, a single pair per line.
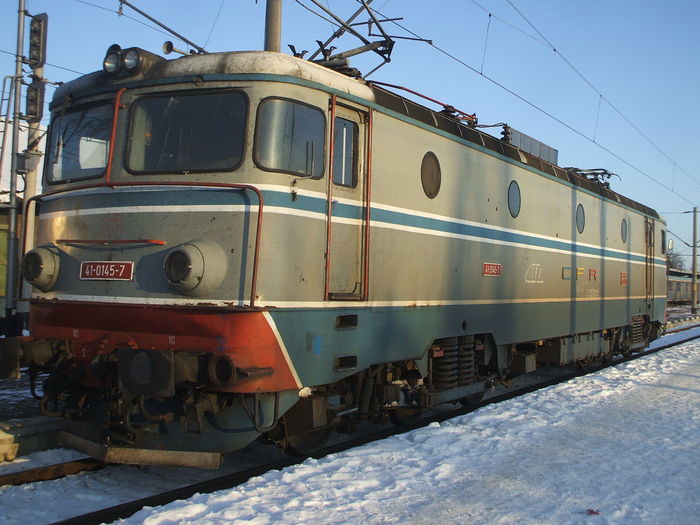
346,235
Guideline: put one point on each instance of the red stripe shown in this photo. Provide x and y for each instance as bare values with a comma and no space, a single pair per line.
94,329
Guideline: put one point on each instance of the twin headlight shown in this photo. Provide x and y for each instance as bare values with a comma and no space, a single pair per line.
193,268
129,61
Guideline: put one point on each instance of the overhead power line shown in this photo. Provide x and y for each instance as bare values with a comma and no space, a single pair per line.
119,12
601,95
48,64
543,111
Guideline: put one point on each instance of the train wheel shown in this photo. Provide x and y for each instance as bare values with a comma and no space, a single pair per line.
308,443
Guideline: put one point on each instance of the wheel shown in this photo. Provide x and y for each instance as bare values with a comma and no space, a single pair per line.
308,443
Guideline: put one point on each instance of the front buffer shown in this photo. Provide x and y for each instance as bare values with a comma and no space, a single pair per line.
144,385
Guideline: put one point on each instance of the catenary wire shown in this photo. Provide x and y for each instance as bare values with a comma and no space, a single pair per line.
48,64
216,20
543,111
602,96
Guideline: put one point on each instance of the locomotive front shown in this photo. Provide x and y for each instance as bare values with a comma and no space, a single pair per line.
146,262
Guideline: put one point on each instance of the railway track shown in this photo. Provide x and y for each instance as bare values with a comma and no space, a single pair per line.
231,480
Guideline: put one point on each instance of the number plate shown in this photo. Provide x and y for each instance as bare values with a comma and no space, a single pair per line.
106,270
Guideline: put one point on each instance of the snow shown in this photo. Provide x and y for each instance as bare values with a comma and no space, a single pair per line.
617,446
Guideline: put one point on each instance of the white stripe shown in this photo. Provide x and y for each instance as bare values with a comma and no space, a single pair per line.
342,220
322,304
282,346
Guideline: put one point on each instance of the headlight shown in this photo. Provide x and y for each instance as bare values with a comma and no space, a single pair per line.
131,59
184,267
112,61
40,267
197,267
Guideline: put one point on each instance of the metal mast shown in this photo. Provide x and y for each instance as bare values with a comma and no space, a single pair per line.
273,25
694,289
12,242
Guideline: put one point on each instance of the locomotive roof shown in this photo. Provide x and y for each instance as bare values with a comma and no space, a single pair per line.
279,64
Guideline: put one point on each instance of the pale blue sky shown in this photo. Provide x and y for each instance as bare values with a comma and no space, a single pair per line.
642,55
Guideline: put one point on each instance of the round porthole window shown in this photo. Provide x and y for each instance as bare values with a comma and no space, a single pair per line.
623,231
430,176
580,218
514,199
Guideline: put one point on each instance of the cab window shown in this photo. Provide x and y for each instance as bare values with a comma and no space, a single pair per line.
78,146
187,132
345,153
289,137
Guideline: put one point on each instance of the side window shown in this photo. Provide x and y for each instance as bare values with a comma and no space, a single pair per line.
580,218
289,137
430,175
345,153
514,199
663,241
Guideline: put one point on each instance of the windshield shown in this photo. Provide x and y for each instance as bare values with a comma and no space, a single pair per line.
79,143
187,132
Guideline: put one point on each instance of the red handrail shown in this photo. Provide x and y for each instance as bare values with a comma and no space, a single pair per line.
329,205
111,241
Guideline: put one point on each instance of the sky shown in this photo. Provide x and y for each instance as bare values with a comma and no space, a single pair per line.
609,84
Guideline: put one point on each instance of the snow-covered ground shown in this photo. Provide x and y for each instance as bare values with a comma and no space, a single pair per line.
618,446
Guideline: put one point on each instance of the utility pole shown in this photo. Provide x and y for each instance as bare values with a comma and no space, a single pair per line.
273,26
11,287
694,287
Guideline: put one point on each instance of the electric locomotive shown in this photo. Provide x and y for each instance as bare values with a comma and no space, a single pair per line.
241,244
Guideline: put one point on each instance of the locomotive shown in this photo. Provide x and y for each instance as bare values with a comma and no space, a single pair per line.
244,244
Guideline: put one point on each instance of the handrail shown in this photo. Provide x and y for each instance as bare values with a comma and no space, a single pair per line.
116,185
111,241
113,136
329,203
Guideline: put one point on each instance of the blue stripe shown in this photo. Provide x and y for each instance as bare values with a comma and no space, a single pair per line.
350,211
442,225
279,199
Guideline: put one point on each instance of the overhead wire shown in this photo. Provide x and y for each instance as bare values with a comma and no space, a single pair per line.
601,95
120,13
540,109
506,22
48,64
216,20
